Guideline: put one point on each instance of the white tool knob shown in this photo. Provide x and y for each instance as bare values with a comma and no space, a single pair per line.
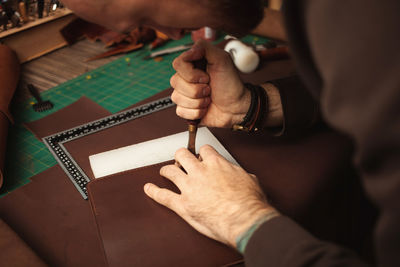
244,57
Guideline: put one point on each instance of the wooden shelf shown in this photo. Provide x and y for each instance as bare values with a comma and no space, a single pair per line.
58,14
38,37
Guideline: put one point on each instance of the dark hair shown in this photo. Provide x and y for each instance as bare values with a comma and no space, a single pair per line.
239,16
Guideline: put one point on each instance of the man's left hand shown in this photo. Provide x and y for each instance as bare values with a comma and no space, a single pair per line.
218,198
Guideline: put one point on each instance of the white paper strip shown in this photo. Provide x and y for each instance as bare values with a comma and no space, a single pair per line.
151,152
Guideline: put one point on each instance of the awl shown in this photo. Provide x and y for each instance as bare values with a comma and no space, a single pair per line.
193,124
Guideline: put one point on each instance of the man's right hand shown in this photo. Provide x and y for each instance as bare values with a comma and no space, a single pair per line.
217,96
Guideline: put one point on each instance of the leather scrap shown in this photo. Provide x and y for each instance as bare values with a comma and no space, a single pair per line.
9,77
14,251
51,216
118,42
119,49
81,111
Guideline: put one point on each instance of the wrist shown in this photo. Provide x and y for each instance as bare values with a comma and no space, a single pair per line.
240,228
242,107
243,238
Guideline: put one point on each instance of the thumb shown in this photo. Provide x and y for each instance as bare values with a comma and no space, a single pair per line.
203,49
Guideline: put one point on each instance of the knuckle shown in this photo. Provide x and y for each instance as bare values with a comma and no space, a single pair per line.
205,101
181,112
173,81
200,113
206,148
161,197
164,171
175,97
192,91
193,78
176,63
198,91
180,152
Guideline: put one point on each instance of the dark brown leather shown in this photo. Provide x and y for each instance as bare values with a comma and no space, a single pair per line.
4,123
82,111
49,214
53,219
9,76
13,250
301,177
136,231
146,128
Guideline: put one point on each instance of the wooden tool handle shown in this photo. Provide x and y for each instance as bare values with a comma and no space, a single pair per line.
35,93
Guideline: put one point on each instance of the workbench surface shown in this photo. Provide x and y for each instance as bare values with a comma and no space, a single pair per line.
115,86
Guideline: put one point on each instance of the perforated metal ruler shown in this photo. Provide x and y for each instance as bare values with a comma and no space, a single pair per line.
55,143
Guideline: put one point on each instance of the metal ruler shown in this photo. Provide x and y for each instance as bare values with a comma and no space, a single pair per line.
55,143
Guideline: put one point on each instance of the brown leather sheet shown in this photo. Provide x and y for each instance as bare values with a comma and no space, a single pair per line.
49,213
136,231
51,216
82,111
9,76
306,178
14,251
4,123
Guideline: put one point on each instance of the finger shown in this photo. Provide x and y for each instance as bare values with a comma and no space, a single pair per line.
185,68
162,196
190,114
209,154
191,103
188,161
198,51
173,173
216,57
192,90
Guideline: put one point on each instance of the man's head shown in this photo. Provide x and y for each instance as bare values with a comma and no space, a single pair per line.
171,16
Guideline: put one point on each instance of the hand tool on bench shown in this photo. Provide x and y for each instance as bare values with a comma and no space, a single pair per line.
40,105
169,51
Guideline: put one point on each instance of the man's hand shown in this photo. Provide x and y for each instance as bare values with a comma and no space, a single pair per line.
217,96
218,199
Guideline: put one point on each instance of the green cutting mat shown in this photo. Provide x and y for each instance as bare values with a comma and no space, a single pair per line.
114,86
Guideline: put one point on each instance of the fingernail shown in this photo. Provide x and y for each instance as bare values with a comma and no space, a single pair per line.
203,80
146,187
206,91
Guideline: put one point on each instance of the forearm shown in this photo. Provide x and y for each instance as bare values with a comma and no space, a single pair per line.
272,25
